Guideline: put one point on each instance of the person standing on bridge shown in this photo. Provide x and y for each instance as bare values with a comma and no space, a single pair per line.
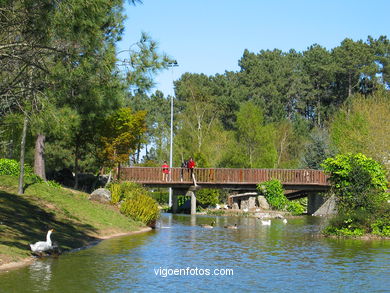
184,165
165,171
191,166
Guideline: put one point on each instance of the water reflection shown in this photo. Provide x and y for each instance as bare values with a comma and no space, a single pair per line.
40,274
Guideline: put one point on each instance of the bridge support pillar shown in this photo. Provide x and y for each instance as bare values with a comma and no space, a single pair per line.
174,201
318,206
191,192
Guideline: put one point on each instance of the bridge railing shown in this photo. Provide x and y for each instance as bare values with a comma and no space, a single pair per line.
224,175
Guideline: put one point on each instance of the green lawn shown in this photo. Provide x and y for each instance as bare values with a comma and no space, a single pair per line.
76,220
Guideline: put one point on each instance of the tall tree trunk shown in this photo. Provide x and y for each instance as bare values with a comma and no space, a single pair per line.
138,151
76,168
119,172
39,159
22,152
349,85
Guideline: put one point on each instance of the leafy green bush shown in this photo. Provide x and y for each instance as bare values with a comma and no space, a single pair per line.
331,230
207,196
141,207
359,184
295,208
53,183
273,192
181,199
162,197
11,167
131,189
381,228
116,194
357,181
124,190
381,224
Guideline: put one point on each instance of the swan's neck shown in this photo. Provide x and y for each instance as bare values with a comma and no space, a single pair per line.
48,240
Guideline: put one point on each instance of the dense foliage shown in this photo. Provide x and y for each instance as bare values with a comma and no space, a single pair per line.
274,193
135,201
208,196
141,207
12,167
359,184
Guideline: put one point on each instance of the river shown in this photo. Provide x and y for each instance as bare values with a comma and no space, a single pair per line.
182,256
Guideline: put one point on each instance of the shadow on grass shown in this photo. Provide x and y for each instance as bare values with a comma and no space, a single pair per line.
23,221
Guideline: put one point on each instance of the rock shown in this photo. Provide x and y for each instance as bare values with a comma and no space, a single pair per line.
252,203
263,203
101,195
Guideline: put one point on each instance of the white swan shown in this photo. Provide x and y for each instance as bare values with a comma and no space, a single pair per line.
284,221
266,222
41,246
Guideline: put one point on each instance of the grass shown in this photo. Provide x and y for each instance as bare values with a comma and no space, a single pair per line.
76,220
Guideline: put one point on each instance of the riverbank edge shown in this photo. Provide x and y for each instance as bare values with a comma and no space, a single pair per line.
29,260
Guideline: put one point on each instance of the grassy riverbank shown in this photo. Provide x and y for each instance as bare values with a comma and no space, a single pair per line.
77,221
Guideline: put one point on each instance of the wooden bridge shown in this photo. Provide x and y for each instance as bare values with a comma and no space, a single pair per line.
243,179
296,183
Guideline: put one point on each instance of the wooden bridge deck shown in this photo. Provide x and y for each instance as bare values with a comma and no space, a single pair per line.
298,179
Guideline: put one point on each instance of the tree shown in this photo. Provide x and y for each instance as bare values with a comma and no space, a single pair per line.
253,146
198,111
123,132
354,61
363,125
273,81
41,40
317,149
319,65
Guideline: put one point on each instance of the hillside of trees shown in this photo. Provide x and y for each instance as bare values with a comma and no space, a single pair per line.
280,110
68,101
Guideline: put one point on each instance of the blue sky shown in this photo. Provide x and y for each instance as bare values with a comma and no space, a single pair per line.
210,36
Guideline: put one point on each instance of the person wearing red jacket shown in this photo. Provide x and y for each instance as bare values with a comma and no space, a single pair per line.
165,171
191,165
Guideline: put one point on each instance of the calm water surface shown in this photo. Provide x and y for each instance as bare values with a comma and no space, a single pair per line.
276,258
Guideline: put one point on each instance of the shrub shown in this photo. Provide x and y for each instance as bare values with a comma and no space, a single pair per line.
207,196
273,192
295,208
131,189
141,207
181,199
11,167
53,184
357,181
162,197
124,190
381,225
359,184
116,194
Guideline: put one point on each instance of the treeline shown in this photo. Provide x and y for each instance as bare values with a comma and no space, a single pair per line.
281,109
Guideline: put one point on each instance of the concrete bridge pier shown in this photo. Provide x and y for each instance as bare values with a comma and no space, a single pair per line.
318,205
188,192
174,201
191,192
